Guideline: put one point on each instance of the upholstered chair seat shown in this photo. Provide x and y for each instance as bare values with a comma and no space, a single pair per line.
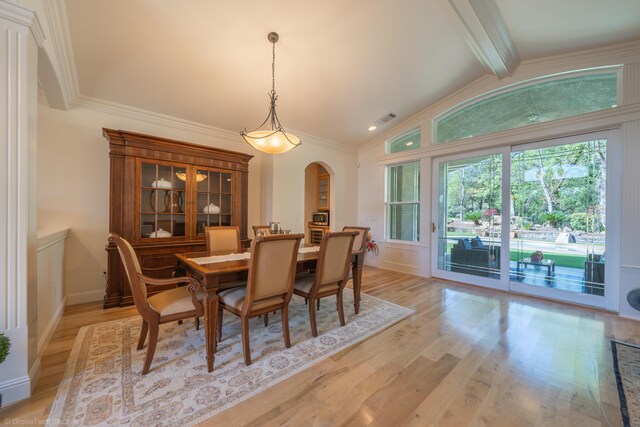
173,303
331,275
304,284
235,298
272,269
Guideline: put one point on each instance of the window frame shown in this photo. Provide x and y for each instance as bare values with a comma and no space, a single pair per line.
416,202
608,69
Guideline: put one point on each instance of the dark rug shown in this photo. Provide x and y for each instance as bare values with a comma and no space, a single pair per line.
626,364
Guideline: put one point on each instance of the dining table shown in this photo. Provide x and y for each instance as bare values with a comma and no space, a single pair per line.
218,270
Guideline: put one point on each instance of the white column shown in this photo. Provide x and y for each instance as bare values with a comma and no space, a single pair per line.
20,37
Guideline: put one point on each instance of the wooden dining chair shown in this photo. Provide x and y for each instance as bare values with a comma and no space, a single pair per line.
331,275
261,228
360,247
360,242
173,303
272,270
222,238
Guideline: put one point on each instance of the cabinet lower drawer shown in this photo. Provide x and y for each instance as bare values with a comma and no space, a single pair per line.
159,266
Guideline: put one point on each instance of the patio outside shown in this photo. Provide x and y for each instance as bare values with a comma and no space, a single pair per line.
557,217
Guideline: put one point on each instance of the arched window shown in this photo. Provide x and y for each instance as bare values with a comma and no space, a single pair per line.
534,101
405,142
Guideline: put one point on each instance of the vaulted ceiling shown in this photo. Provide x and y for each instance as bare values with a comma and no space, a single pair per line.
340,64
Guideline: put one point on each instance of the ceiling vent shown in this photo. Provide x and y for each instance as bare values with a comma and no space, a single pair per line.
384,119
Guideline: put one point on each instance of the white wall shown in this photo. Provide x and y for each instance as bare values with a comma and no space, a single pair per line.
417,258
73,182
288,184
50,301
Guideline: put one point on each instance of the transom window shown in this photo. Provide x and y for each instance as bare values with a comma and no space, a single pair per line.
528,103
406,142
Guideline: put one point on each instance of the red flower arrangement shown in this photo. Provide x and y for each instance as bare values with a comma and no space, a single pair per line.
371,245
536,256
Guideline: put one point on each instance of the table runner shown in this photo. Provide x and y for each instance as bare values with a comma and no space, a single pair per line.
244,255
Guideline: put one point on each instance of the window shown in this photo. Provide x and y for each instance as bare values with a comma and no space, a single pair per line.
403,202
528,103
406,142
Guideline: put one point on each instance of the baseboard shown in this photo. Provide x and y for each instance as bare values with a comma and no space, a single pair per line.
51,327
35,372
82,297
15,390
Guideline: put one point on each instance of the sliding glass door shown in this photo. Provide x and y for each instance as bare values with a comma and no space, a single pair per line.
559,224
469,221
532,218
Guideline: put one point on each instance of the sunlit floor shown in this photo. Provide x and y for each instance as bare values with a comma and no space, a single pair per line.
469,356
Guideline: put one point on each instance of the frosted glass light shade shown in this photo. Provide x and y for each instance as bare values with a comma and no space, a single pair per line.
271,142
182,176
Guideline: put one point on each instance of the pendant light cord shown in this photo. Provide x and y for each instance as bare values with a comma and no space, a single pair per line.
273,70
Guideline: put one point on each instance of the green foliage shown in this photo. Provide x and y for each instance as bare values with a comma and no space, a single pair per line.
5,345
554,218
578,221
523,223
474,216
563,179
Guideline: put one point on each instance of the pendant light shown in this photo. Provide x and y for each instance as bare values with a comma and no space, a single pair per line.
270,137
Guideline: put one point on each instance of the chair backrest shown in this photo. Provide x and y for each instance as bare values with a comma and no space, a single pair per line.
272,268
334,258
132,269
262,228
360,242
222,238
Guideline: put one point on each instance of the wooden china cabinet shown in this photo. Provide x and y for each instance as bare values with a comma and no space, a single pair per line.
162,194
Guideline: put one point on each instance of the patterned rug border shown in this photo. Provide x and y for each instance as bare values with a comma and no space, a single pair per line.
624,409
72,362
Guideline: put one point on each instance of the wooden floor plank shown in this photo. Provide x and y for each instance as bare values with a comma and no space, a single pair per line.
468,356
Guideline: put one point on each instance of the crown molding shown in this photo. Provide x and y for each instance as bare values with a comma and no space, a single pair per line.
113,108
484,30
23,16
56,16
323,142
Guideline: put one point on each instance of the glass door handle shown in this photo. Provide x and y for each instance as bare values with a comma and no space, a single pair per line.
433,227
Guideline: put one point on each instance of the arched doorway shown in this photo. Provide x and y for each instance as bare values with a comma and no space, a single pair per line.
317,201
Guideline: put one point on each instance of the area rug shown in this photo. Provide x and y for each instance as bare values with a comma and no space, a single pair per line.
103,385
626,364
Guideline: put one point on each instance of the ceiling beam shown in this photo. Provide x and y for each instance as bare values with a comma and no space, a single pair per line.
484,30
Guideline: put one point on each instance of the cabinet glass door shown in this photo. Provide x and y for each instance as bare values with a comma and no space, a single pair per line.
162,201
323,192
213,200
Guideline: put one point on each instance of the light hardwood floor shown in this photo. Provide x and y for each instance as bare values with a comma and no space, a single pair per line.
469,356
